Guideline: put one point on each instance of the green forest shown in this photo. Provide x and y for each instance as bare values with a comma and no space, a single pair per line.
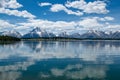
8,38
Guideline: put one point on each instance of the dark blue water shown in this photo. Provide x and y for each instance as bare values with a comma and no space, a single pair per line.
60,60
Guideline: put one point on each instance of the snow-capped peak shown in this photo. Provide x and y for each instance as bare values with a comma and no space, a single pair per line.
36,33
37,29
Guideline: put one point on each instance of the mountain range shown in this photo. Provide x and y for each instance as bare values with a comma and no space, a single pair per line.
41,33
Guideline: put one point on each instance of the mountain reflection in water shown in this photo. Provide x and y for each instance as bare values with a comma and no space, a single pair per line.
60,60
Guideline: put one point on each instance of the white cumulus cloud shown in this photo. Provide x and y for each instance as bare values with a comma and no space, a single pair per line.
98,7
6,7
24,13
81,6
90,23
44,4
5,24
10,4
60,7
96,23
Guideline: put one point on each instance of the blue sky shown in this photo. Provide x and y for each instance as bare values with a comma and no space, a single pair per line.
59,15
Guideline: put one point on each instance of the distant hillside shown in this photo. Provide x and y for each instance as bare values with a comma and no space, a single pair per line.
8,38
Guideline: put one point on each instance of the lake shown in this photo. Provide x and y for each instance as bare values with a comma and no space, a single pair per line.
60,60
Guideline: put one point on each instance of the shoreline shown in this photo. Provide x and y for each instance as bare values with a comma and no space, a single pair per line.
12,39
67,39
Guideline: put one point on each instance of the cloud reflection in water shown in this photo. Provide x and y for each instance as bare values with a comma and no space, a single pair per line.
99,53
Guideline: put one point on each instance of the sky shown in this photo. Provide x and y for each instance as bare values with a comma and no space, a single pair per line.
59,15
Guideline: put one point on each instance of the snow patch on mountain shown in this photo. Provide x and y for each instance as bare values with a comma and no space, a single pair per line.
11,33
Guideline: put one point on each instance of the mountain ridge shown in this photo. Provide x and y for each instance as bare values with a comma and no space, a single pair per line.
41,33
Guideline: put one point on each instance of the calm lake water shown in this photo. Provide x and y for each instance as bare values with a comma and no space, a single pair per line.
60,60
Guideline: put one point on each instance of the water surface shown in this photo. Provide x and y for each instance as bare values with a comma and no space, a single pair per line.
60,60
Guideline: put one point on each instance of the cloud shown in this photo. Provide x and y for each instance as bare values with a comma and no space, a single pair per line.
115,27
6,7
12,75
44,4
81,72
100,23
87,23
95,22
53,26
98,7
24,13
107,18
48,24
57,7
90,23
77,7
12,71
10,4
76,4
5,24
60,7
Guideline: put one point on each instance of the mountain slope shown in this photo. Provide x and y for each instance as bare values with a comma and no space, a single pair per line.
63,34
91,34
12,33
116,35
36,33
75,35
